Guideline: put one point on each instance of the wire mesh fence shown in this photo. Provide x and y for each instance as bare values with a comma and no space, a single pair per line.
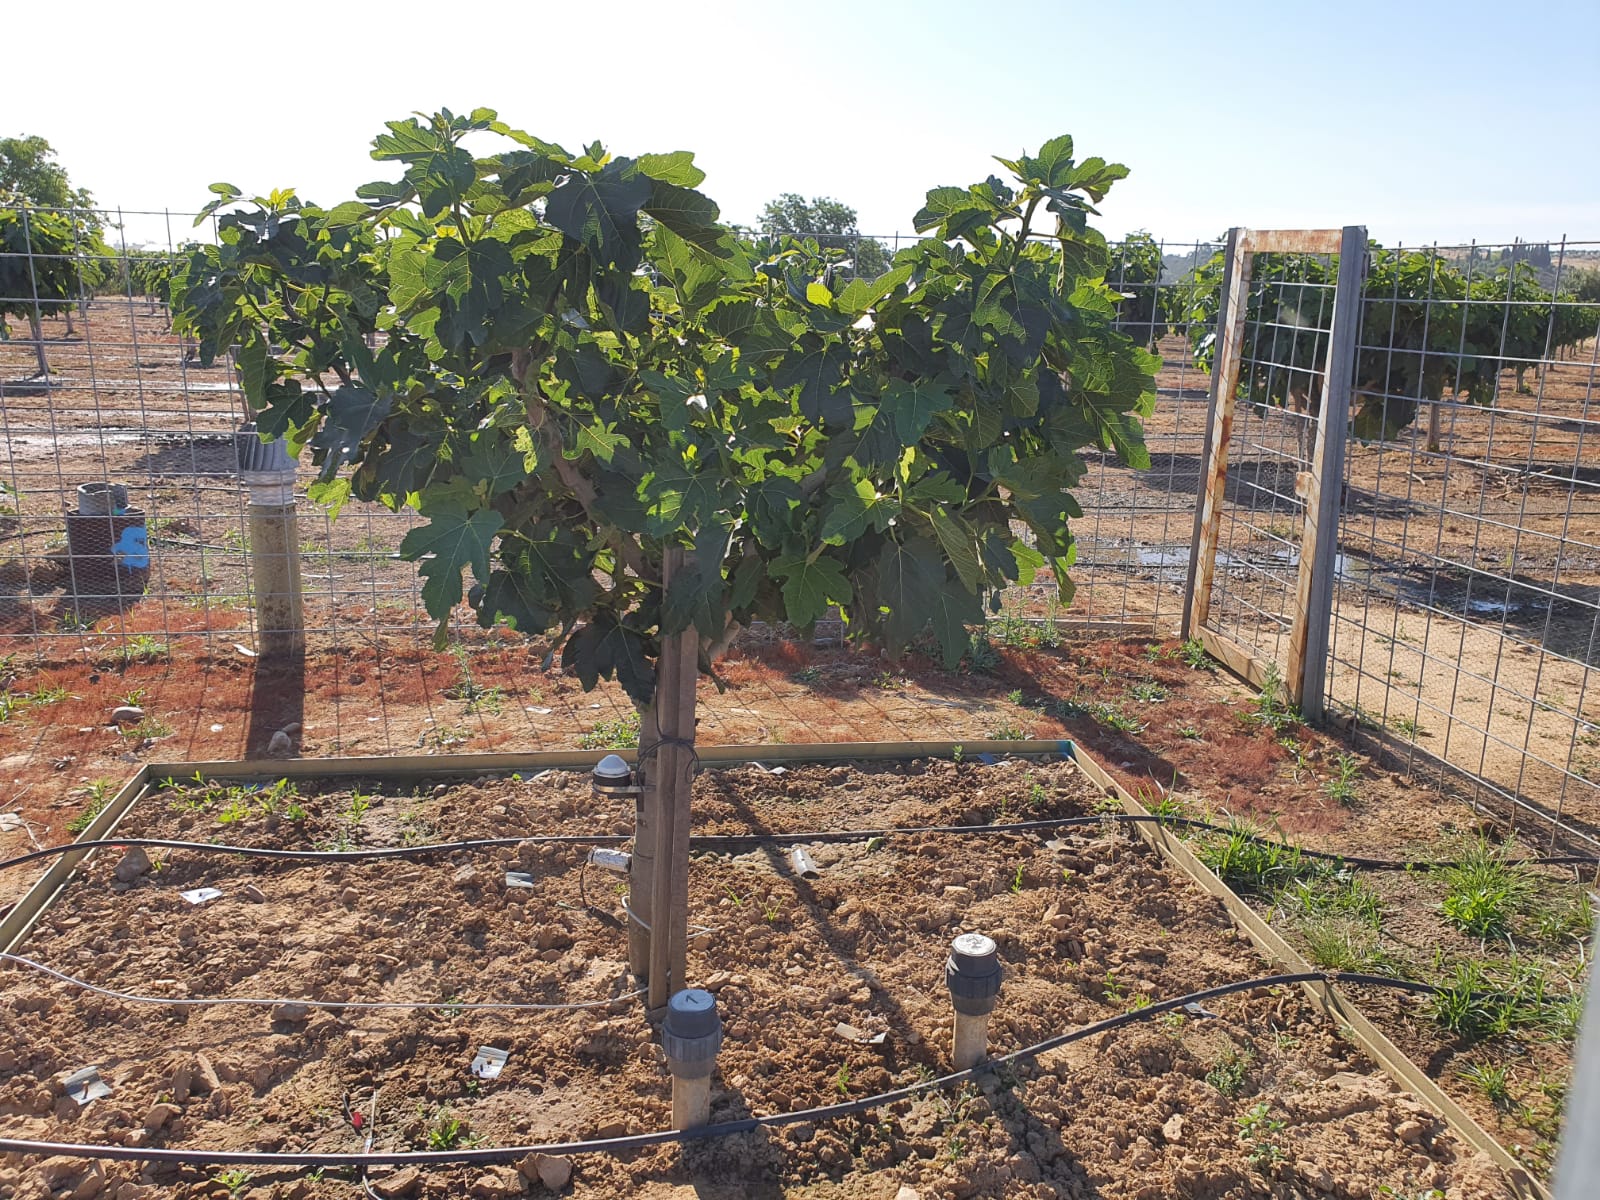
1466,620
1466,623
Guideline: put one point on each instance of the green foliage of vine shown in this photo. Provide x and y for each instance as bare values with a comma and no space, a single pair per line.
568,364
1431,332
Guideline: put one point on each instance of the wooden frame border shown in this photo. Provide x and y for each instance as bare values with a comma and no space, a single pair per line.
25,914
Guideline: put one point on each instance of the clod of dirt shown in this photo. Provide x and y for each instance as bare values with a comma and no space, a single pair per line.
126,714
497,1182
401,1183
253,894
281,746
134,864
291,1012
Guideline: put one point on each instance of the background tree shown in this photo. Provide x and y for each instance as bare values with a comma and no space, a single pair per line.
1135,273
54,253
831,224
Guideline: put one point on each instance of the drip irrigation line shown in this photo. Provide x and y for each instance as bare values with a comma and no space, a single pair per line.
706,841
214,1001
638,1141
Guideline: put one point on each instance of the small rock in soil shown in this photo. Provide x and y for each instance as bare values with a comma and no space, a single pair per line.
206,1073
127,714
280,746
159,1115
252,893
906,1193
134,864
291,1012
1173,1129
350,897
401,1183
552,1170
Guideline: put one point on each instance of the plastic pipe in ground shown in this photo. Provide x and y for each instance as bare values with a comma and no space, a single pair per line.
691,1037
275,570
972,973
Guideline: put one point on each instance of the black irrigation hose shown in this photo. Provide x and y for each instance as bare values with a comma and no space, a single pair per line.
639,1141
707,841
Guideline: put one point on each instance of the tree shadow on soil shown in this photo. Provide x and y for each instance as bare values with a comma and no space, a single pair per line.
277,700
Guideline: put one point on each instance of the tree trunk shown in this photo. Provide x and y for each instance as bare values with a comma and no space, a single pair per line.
672,769
38,342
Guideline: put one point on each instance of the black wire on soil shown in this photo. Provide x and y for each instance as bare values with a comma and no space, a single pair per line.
640,1141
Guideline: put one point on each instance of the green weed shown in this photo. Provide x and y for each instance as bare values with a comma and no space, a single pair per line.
99,794
1228,1076
1259,1132
615,734
1493,1081
1341,789
1483,891
1248,864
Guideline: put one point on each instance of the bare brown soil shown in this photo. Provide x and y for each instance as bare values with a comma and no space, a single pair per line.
1186,1106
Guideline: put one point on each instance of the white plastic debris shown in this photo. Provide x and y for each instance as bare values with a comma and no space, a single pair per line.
489,1062
201,895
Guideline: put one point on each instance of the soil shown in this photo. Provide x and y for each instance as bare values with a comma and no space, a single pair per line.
1185,1106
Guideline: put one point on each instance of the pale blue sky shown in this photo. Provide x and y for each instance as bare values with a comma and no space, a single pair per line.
1424,121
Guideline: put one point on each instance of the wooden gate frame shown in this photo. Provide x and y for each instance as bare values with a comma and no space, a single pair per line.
1305,676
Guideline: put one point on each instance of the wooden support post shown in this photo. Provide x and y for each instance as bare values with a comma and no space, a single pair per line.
1225,386
677,672
642,870
1313,601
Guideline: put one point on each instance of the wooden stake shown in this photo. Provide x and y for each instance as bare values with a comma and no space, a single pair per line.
676,674
642,872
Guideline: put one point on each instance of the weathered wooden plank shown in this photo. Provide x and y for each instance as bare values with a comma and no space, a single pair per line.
1292,241
1313,599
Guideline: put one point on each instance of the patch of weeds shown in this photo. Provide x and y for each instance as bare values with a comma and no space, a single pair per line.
1479,1000
806,675
98,794
619,733
1193,655
1189,733
1230,1073
1483,891
1165,807
841,1081
1492,1081
1271,710
1259,1132
1336,944
235,1179
149,728
139,649
414,830
1005,731
1014,696
1571,920
294,812
1018,633
1148,691
446,1132
1409,727
981,657
1341,789
235,812
1242,858
1340,894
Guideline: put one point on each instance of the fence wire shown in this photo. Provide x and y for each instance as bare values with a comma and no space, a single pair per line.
1466,625
1466,622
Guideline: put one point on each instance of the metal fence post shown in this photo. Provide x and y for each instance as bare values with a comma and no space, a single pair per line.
1313,609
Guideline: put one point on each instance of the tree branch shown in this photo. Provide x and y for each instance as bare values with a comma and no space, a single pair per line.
582,488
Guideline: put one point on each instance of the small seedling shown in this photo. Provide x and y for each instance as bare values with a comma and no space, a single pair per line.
955,754
1341,789
733,895
360,803
1493,1081
1189,733
1005,731
1014,696
1193,654
1228,1076
1114,988
295,813
1410,728
99,795
445,1132
841,1081
1271,709
771,910
1259,1132
235,1180
1016,882
1148,691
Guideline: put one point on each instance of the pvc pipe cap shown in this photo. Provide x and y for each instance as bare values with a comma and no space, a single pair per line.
972,972
692,1013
